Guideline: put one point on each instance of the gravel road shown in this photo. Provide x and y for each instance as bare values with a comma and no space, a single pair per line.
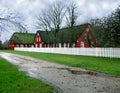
68,79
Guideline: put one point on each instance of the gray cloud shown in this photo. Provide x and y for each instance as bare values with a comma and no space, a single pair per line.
29,9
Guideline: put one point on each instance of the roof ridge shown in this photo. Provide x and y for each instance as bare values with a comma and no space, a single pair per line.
22,33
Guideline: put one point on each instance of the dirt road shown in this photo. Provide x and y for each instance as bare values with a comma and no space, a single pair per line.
68,79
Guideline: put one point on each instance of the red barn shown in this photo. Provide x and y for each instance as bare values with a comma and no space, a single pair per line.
78,36
19,39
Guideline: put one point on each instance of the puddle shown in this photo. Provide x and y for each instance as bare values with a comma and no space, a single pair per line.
78,72
83,72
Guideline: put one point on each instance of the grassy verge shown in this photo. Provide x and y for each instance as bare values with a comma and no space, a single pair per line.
13,81
99,64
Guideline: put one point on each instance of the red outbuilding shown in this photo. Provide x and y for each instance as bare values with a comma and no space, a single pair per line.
19,39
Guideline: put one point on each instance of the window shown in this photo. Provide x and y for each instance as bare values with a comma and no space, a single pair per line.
73,45
87,29
82,44
92,44
68,45
39,39
59,45
32,46
35,45
40,45
38,34
36,39
17,45
21,45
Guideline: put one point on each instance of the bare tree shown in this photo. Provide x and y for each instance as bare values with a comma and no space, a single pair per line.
9,20
56,15
51,18
43,21
71,16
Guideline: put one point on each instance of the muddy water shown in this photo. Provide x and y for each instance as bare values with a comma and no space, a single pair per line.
66,79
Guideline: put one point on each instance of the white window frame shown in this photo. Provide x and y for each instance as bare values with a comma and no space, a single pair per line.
40,45
87,29
36,45
73,45
68,45
59,45
21,45
81,44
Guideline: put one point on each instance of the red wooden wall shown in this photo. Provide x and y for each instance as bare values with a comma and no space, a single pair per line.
11,45
82,39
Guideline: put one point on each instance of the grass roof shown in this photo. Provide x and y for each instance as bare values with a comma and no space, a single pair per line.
65,35
23,38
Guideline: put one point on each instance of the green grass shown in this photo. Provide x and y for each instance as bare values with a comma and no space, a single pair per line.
99,64
13,81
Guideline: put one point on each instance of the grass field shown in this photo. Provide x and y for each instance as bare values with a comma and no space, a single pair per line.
13,81
99,64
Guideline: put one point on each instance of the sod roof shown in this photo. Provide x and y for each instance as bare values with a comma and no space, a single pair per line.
65,35
23,38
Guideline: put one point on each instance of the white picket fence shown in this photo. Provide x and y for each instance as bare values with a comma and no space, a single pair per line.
98,52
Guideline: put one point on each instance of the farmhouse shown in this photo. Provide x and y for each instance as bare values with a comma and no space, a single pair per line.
78,36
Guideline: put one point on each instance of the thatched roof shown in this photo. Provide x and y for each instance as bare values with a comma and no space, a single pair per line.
64,35
23,38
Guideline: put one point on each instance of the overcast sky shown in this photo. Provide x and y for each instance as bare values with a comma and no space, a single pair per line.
29,9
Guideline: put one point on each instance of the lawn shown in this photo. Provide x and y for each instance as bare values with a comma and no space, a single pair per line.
14,81
99,64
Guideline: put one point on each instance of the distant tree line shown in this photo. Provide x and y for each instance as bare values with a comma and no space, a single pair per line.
107,29
3,45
